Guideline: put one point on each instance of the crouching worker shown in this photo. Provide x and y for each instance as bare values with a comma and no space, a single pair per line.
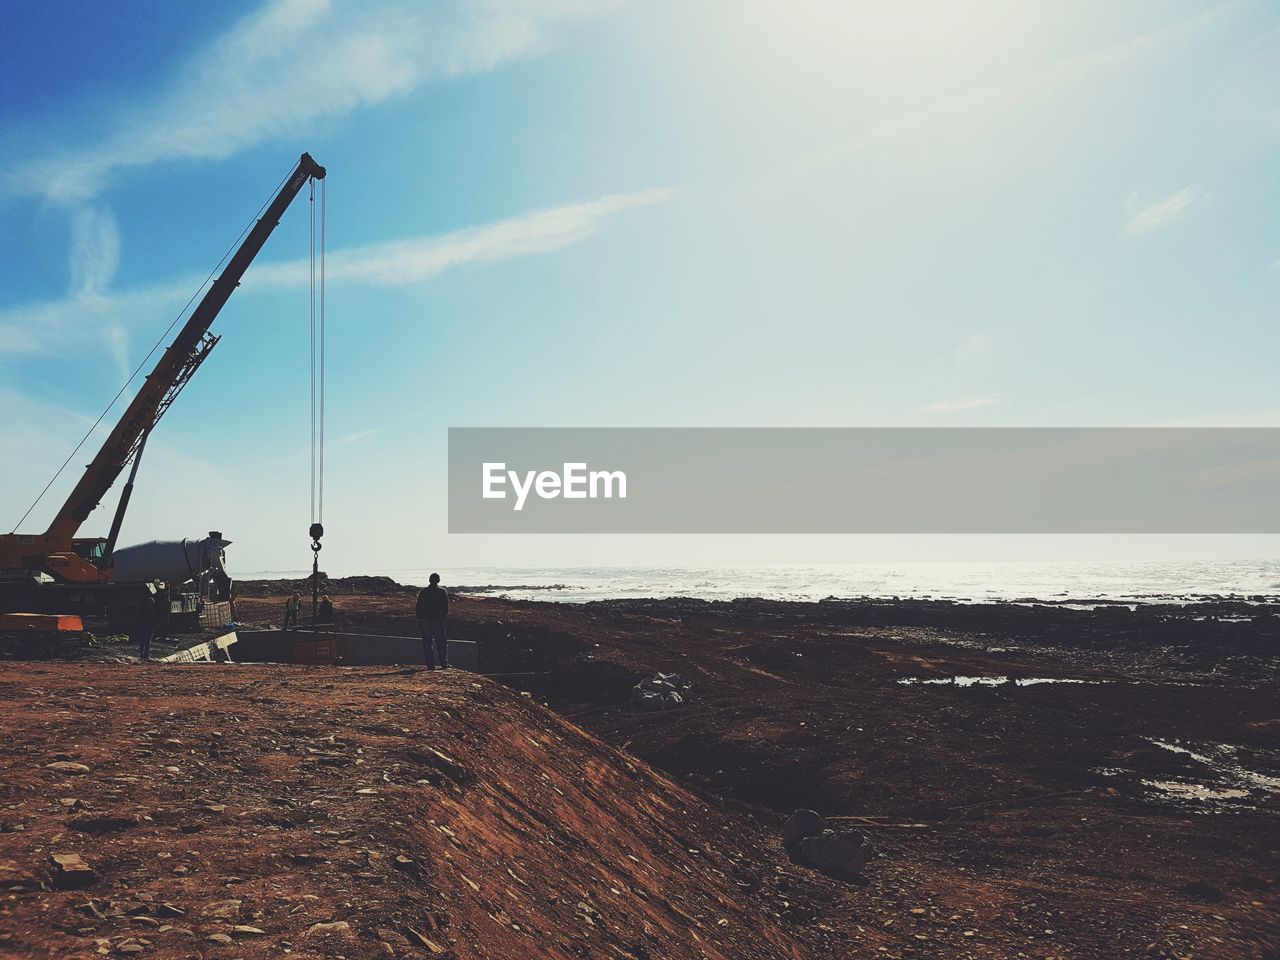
433,611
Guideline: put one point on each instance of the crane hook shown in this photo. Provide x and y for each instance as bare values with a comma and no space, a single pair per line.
316,532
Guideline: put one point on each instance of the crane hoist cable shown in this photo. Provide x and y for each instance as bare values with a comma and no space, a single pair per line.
317,389
324,193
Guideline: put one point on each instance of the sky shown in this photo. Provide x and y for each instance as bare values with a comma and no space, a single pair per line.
601,213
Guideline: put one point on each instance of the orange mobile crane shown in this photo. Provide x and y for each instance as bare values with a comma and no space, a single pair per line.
57,572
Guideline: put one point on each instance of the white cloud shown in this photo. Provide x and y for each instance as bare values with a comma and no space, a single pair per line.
95,249
1153,216
959,403
45,326
292,62
420,258
118,343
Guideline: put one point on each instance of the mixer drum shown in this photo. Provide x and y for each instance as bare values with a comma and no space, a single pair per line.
173,561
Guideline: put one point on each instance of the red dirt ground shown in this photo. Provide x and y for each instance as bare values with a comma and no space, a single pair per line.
1042,835
1010,821
234,812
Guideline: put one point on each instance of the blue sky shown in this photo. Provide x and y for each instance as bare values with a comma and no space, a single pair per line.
573,212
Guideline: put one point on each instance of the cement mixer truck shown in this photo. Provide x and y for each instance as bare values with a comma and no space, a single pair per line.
197,586
58,572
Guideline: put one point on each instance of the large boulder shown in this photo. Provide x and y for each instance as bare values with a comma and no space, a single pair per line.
801,824
840,854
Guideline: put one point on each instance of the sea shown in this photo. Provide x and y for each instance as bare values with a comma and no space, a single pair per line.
1120,580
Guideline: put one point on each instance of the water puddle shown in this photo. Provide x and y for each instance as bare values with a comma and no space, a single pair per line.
994,681
1222,759
1224,784
1218,782
1176,790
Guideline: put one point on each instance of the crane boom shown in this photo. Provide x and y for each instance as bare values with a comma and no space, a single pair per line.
162,385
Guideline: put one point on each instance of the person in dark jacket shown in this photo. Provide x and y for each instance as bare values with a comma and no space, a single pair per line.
433,610
144,627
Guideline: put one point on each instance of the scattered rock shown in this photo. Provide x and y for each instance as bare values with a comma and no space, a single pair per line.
431,945
442,763
101,824
70,871
67,766
14,878
242,930
338,928
407,864
223,910
389,936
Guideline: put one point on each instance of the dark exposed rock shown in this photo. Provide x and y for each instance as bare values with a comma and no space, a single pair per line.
840,854
71,872
801,824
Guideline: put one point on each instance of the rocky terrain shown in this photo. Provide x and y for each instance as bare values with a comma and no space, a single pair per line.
1130,809
261,811
1039,781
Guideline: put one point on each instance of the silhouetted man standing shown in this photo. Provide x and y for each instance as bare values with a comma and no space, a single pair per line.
144,627
433,610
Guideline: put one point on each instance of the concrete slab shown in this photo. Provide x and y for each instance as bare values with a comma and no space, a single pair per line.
353,649
204,651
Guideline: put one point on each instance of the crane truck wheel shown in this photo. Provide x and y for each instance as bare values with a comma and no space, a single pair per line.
122,612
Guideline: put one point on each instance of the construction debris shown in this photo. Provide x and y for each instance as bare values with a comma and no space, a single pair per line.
207,652
660,692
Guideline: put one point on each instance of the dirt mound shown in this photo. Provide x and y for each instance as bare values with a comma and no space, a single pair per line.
375,812
1043,820
334,586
